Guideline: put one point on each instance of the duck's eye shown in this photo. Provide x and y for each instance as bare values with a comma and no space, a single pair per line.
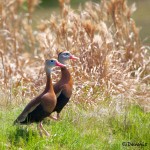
66,54
52,60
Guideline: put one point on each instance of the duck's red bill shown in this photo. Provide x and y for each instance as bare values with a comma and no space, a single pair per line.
73,57
59,64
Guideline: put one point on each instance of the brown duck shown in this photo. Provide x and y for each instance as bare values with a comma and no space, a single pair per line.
63,88
41,106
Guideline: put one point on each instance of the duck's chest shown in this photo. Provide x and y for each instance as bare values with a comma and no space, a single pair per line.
49,102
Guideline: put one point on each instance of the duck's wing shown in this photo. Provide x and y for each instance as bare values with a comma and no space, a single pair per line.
29,108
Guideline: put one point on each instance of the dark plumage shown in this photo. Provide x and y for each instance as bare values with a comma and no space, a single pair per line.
37,115
62,100
41,106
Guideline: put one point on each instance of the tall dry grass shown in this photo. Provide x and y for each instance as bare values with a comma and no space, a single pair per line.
113,61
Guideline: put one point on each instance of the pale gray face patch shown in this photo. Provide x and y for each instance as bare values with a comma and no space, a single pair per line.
49,64
64,56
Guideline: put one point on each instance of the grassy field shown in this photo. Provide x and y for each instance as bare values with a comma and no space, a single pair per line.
78,128
109,108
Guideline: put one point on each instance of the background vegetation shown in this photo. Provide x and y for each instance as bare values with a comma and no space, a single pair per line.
140,15
110,102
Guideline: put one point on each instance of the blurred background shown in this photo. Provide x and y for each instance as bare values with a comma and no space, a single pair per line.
141,15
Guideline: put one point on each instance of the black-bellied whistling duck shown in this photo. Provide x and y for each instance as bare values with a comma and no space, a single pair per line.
63,88
41,106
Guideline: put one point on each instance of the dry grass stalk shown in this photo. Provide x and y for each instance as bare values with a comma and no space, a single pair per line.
113,61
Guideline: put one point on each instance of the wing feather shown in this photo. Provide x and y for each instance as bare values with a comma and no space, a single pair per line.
29,108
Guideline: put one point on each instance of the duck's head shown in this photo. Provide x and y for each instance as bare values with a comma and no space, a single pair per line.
64,56
49,64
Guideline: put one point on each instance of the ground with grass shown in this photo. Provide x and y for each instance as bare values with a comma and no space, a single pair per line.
78,128
109,108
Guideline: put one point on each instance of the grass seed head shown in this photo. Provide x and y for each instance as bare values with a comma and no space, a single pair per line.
113,60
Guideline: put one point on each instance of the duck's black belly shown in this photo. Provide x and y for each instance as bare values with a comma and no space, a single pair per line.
37,115
62,100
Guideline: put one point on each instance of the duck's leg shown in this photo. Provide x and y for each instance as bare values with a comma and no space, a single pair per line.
54,118
39,128
58,116
45,132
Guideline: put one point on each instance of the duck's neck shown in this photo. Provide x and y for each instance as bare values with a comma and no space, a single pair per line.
65,74
49,86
